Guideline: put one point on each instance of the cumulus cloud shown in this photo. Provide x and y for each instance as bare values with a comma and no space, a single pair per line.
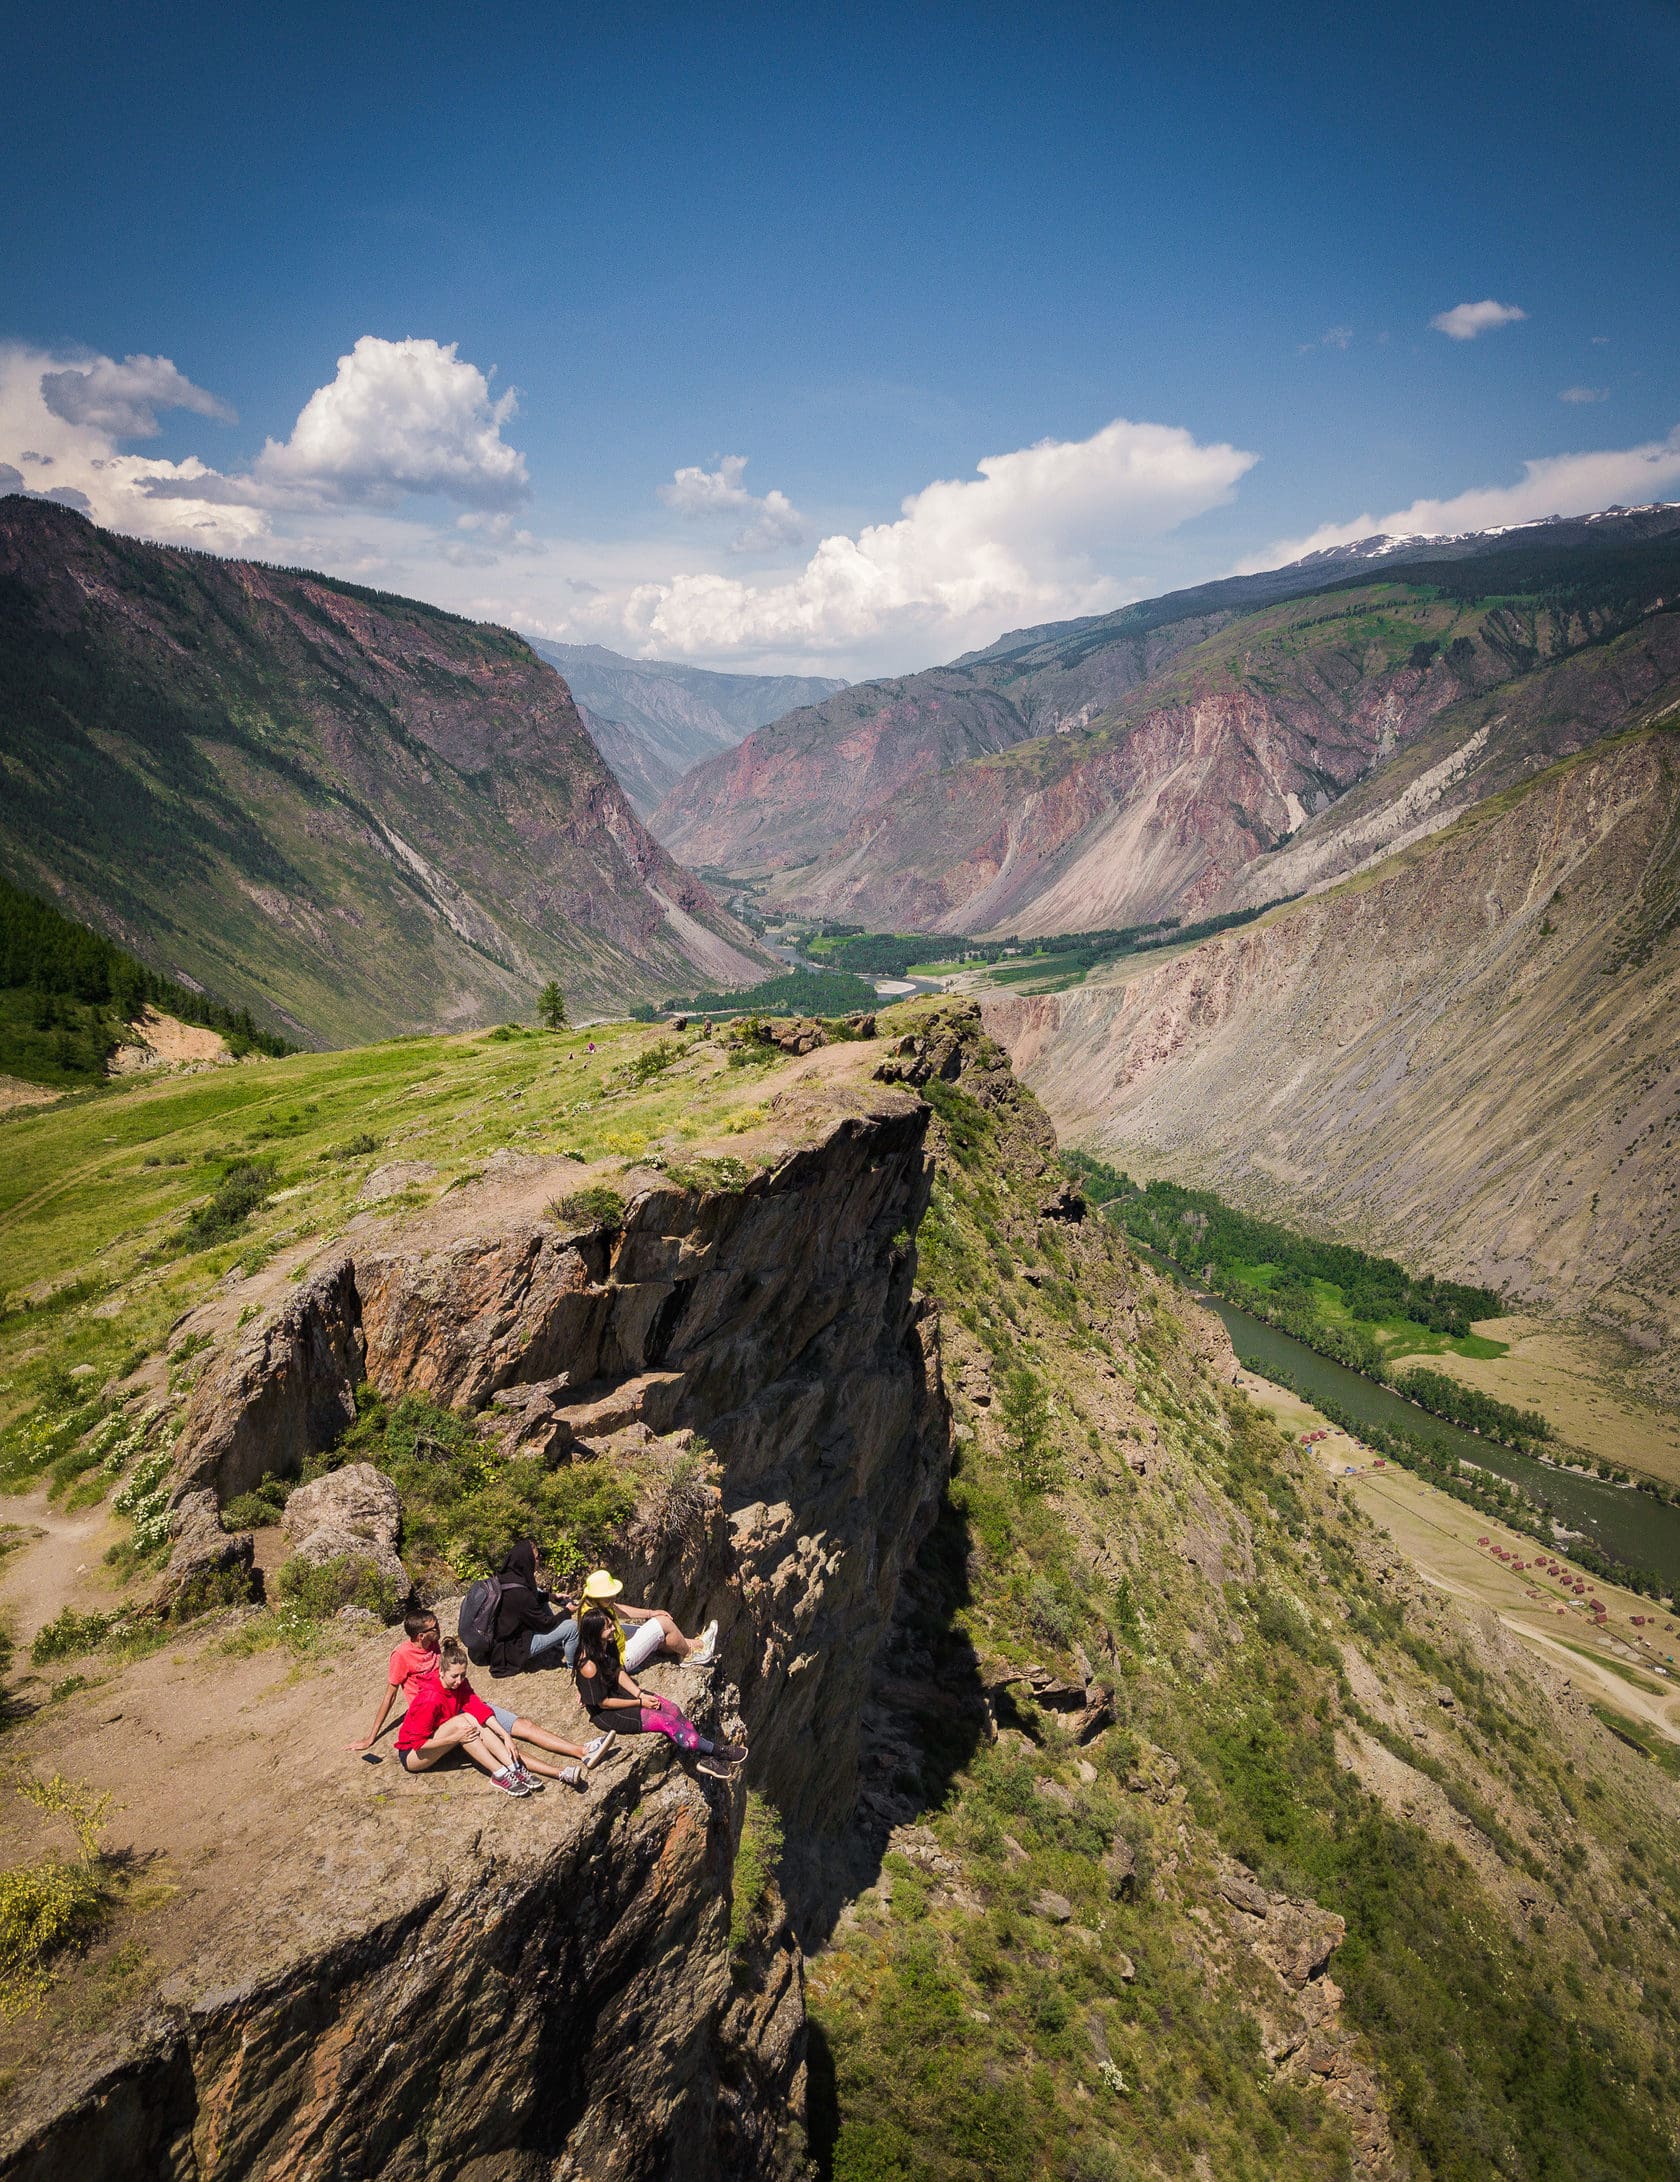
1022,540
1552,485
123,400
1466,320
1584,394
774,520
401,417
64,417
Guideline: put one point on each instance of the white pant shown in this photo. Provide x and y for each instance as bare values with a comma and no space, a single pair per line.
641,1644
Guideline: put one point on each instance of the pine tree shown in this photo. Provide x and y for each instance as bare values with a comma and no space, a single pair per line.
551,1005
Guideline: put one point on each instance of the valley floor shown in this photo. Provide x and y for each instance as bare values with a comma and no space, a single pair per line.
1576,1376
1621,1666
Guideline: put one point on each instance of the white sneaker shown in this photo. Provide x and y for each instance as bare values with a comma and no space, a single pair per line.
595,1750
705,1646
571,1776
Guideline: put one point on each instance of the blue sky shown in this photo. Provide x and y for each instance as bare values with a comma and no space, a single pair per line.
1199,250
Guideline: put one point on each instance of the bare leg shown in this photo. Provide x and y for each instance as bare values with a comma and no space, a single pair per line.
501,1751
527,1731
460,1733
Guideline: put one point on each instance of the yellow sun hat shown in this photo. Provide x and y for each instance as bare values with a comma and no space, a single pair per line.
601,1586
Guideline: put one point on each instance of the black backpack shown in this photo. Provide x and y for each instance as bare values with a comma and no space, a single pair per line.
476,1623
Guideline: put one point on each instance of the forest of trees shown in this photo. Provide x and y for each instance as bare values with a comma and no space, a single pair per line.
799,992
69,993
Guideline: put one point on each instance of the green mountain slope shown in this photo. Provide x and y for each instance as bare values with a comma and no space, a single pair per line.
347,812
1209,1840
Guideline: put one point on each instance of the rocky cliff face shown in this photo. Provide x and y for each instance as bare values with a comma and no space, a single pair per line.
349,812
413,2001
1466,1053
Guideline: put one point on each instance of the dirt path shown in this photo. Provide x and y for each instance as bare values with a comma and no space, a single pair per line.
61,1564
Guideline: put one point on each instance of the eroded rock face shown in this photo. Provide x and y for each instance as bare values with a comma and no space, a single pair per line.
287,1389
548,2011
761,1355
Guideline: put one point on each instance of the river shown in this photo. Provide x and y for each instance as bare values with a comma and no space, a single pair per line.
1632,1526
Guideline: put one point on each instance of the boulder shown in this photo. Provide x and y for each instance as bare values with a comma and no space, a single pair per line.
1054,1907
353,1514
202,1554
1243,1893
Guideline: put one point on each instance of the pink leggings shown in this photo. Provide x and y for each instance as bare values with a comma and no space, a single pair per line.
664,1718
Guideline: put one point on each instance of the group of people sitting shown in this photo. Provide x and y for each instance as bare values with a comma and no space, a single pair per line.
600,1638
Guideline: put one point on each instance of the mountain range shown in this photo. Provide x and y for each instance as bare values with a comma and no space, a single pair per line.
1143,763
1462,1052
653,720
350,813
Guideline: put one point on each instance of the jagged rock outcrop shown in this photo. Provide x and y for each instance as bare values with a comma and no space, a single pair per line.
287,1389
397,2004
352,1514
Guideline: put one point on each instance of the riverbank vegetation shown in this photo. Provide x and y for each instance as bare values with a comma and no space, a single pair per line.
1417,1448
1361,1311
1063,958
800,992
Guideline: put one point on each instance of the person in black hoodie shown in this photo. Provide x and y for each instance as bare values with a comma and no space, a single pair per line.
533,1628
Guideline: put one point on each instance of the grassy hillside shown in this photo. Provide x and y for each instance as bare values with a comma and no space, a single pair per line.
1069,1966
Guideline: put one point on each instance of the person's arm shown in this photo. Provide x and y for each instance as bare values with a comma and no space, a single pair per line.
634,1613
372,1736
619,1704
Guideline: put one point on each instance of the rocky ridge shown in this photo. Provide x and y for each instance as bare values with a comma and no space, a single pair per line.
779,1321
1062,1669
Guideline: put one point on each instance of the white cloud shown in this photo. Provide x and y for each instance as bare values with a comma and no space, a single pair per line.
1552,485
122,400
69,433
775,521
1022,541
1584,394
1466,320
401,417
